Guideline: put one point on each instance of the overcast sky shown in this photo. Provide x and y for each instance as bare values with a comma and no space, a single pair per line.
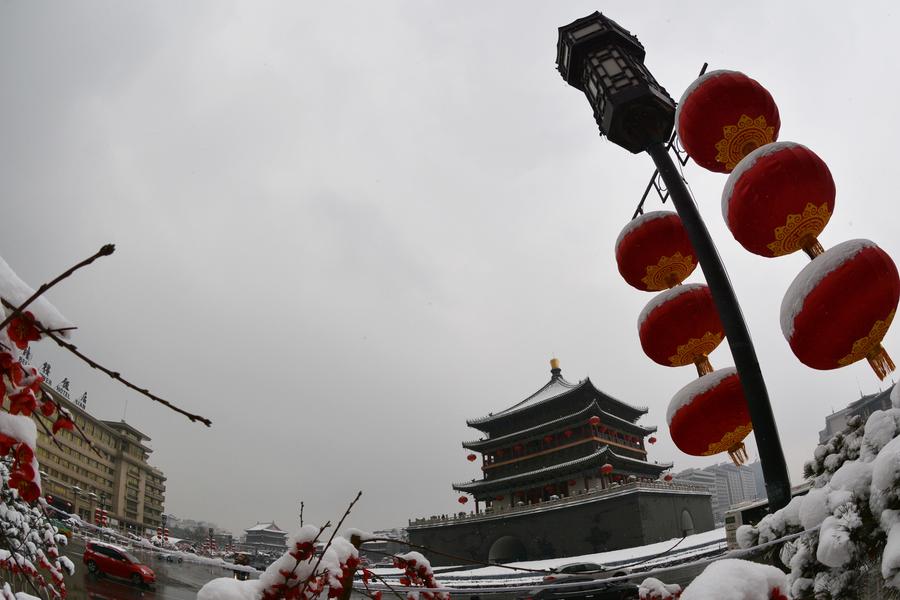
342,229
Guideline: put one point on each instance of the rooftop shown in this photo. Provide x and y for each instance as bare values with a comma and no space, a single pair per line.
557,386
266,527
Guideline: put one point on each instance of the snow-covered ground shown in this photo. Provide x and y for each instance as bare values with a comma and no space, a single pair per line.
651,555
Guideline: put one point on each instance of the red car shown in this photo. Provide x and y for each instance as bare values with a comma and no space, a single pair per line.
115,561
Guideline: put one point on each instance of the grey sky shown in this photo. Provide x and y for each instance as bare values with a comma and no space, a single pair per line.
344,228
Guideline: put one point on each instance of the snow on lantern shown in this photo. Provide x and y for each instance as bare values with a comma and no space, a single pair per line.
462,499
653,252
839,308
778,200
471,458
606,469
710,415
723,116
681,327
651,439
595,420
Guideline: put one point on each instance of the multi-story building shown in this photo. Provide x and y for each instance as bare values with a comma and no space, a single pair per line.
564,473
865,406
113,475
266,537
728,484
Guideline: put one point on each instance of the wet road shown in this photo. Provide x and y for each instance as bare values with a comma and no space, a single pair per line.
174,581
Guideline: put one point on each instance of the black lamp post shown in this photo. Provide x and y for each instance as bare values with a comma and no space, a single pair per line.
597,56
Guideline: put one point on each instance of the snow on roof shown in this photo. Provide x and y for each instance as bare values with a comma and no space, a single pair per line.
266,527
604,451
15,291
807,279
555,388
592,408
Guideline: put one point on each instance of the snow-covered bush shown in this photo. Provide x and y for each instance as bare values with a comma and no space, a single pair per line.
654,589
303,575
850,519
732,579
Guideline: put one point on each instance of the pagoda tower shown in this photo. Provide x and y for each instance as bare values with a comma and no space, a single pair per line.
555,443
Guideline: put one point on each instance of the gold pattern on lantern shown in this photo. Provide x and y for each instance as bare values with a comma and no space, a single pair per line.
731,441
742,139
869,346
668,272
800,230
688,352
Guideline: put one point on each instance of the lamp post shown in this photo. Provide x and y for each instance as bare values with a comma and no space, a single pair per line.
606,62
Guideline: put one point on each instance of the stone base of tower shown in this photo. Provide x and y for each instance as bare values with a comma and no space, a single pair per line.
635,514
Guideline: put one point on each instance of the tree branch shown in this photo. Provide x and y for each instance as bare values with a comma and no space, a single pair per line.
104,251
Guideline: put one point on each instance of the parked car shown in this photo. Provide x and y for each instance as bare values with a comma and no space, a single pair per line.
100,557
583,571
584,590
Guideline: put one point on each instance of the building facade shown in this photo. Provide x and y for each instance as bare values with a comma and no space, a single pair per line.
565,472
114,475
728,484
266,537
865,406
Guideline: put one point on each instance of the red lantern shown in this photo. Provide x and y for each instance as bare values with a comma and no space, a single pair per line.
653,252
681,326
606,469
572,482
518,447
724,116
471,458
710,415
462,499
778,200
595,420
548,439
651,439
568,433
839,307
498,498
603,429
668,477
501,452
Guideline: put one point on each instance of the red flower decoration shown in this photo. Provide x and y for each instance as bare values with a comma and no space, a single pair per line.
23,329
63,422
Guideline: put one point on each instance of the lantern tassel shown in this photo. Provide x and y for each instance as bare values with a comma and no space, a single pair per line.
738,454
880,362
704,367
812,247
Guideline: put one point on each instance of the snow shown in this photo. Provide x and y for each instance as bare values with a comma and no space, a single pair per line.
697,543
228,588
747,536
745,165
694,85
363,535
813,273
663,297
895,396
686,395
814,508
835,548
890,560
733,579
15,291
637,222
654,589
881,428
19,427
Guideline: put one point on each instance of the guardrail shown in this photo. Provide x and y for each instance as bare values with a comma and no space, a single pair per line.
578,496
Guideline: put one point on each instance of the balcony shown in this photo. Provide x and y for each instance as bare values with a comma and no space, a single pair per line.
576,498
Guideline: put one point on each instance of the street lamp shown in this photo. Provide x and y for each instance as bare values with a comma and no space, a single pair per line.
597,56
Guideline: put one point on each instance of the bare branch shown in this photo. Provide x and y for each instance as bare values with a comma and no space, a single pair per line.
144,391
104,251
331,539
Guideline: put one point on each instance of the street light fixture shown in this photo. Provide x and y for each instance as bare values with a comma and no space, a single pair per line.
602,59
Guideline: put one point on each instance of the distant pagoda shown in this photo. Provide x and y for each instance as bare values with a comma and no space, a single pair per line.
554,443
